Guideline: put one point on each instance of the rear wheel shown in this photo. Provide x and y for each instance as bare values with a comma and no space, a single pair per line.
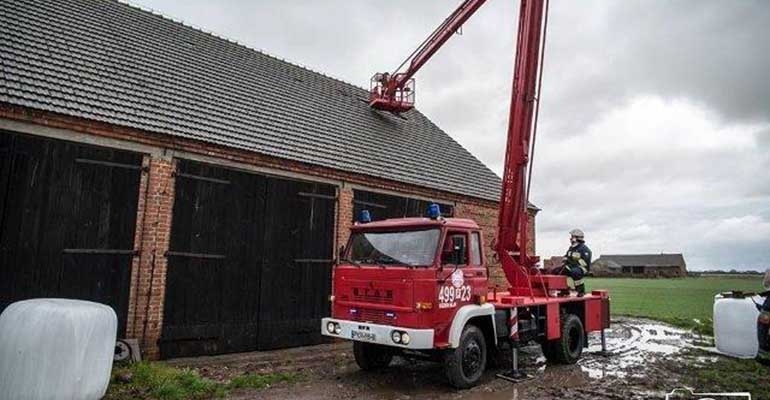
371,357
569,347
465,364
548,350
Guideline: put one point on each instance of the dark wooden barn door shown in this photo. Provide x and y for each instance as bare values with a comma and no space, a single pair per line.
249,264
214,262
299,234
67,221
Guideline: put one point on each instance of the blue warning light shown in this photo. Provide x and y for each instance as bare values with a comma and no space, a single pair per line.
434,212
365,217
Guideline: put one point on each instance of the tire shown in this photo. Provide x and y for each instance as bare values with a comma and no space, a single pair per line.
497,358
548,350
372,357
569,347
465,365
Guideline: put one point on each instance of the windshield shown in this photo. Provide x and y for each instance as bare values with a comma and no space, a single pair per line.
401,248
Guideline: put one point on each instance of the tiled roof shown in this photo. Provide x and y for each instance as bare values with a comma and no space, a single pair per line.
115,63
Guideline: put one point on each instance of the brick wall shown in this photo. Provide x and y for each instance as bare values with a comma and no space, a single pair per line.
344,215
141,217
149,288
486,217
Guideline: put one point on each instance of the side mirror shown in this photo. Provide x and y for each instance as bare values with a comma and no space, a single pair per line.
766,281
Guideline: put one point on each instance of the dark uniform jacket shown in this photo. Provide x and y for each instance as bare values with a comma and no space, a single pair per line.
578,256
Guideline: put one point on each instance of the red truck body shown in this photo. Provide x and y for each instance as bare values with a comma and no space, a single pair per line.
433,301
389,295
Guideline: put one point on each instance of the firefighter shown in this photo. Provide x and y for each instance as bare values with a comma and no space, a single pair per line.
577,261
384,80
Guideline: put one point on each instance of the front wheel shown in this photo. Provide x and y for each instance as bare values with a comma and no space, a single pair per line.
465,364
371,357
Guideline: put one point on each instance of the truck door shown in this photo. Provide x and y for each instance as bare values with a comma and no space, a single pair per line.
462,272
476,266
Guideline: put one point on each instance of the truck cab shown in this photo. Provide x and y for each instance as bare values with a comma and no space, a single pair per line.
400,282
415,286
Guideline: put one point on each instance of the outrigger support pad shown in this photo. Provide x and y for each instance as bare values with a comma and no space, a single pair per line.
515,375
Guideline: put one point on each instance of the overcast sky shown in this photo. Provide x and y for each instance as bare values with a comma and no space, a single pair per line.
655,116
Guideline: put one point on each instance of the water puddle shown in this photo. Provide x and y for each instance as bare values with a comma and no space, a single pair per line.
631,345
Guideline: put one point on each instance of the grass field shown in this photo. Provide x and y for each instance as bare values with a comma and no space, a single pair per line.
678,301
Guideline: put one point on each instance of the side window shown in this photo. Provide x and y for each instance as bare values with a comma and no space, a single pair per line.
475,249
455,249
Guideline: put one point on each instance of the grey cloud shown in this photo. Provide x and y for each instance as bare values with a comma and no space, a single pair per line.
714,52
601,57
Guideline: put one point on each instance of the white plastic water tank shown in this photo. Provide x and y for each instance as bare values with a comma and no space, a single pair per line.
56,349
735,325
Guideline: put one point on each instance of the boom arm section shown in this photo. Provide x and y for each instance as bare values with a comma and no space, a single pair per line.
395,92
512,237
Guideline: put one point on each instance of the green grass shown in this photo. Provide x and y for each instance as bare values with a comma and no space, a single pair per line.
150,380
731,375
678,301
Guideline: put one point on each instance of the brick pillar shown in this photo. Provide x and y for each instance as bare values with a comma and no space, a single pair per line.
344,215
156,233
531,249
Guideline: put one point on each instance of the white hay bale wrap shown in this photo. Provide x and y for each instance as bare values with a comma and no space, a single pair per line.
735,325
56,349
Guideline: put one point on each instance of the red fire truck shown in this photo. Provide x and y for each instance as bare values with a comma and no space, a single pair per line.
419,286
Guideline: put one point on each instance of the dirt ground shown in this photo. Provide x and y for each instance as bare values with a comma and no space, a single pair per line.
645,360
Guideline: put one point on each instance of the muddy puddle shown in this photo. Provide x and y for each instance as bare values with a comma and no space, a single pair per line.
632,344
643,360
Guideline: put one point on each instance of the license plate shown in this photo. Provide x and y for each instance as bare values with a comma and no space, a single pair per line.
363,336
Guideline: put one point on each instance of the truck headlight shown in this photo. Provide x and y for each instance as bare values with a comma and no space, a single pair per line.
396,337
337,329
330,327
405,338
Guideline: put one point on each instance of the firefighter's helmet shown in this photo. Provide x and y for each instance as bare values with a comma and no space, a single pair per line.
577,233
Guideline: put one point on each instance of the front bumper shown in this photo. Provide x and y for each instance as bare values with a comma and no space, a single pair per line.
421,339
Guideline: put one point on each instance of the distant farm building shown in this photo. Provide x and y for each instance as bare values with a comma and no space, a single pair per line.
640,265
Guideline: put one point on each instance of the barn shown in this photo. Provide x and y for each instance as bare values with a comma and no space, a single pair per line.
640,265
199,187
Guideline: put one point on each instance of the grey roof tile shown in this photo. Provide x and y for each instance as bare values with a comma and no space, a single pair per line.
115,63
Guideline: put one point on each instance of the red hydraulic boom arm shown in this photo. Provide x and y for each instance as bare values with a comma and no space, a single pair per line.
394,92
512,236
